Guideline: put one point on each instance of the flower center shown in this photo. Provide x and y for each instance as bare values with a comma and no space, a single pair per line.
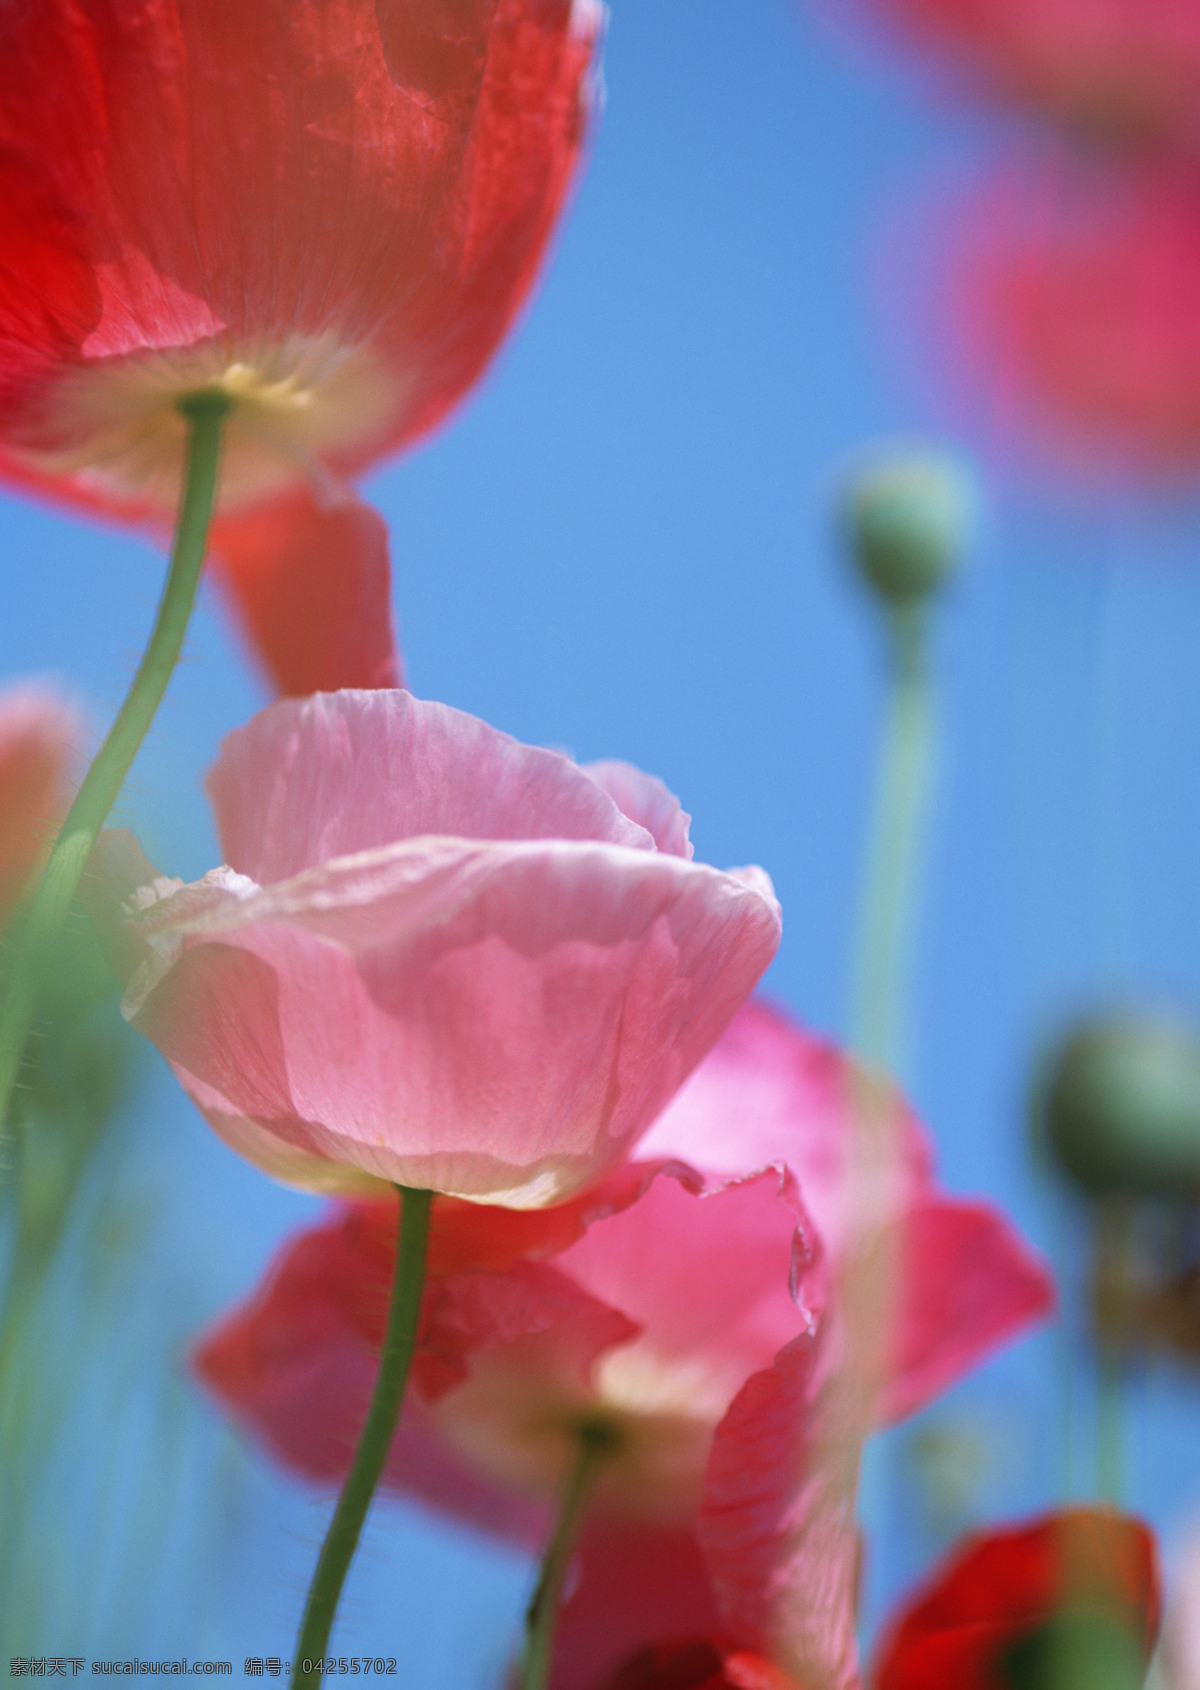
304,409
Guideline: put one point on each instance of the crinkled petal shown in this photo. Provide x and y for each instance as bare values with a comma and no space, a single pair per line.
664,1389
752,1244
310,585
645,800
495,1021
777,1523
322,777
772,1092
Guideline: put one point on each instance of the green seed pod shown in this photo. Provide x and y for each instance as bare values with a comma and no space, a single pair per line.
1121,1106
908,517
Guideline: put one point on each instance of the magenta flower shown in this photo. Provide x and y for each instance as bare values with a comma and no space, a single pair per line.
1104,65
688,1312
1084,320
437,957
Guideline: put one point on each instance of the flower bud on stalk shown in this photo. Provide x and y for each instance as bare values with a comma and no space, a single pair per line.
1121,1107
908,517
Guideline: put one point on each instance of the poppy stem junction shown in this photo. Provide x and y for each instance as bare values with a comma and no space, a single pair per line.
204,412
399,1345
595,1441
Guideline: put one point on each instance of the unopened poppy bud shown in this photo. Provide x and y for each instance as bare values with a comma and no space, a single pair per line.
1122,1106
908,517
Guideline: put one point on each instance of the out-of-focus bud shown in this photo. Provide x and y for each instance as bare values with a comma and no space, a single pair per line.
1121,1106
909,514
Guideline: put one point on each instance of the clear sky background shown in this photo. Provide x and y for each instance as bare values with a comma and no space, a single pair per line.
623,546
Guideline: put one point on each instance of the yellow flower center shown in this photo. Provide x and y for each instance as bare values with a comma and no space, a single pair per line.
113,424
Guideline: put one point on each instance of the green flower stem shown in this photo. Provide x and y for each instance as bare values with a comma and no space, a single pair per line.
205,413
595,1445
891,886
887,925
1115,1317
399,1343
883,963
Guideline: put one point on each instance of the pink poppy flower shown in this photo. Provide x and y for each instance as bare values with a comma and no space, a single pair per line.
37,733
1104,64
436,957
988,1618
333,209
1081,317
728,1506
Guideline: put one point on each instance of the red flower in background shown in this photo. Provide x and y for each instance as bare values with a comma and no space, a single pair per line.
699,1664
1077,313
687,1310
333,209
1085,1578
1129,66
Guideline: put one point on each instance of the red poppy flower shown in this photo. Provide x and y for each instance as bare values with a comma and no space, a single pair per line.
1085,1578
332,209
699,1663
1128,65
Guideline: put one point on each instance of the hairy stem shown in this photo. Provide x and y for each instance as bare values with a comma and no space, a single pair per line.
205,413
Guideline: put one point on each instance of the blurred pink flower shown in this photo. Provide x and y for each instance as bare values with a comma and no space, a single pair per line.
437,957
333,209
1078,314
38,734
1180,1653
1129,66
720,1512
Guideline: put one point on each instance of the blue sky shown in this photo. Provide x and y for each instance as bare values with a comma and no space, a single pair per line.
623,545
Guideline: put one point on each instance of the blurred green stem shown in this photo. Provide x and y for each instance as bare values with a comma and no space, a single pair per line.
395,1360
205,413
594,1446
897,839
887,924
1114,1315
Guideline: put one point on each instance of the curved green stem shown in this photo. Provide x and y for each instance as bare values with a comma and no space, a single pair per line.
541,1621
399,1343
205,412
